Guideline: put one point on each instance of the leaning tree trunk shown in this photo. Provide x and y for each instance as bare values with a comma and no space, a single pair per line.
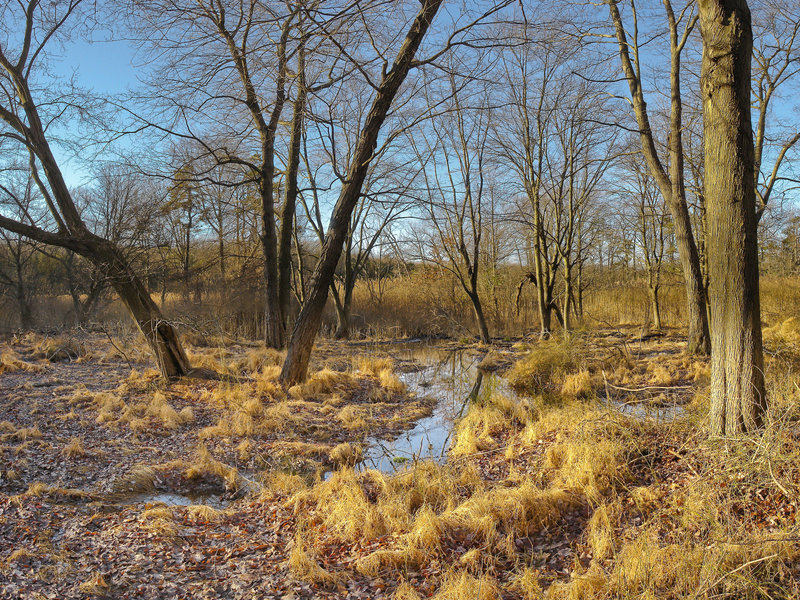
159,333
295,367
738,399
477,308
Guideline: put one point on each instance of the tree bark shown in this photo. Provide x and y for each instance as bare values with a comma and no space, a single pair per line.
654,301
738,398
295,367
342,315
290,197
160,334
477,307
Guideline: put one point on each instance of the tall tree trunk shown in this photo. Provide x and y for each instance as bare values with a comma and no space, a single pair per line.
538,260
274,333
25,309
671,185
295,367
567,295
477,307
290,198
221,251
654,301
342,314
738,399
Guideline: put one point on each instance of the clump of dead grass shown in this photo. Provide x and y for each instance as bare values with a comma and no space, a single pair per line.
304,565
542,369
10,362
163,411
21,434
205,465
204,513
460,585
96,585
159,520
322,383
74,449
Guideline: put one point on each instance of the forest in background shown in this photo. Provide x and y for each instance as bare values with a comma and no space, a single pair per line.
518,161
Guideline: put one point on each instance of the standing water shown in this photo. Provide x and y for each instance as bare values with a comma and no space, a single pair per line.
453,379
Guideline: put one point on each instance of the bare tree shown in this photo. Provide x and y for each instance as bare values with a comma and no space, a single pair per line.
653,223
529,72
776,60
30,27
454,152
670,178
17,261
306,328
240,54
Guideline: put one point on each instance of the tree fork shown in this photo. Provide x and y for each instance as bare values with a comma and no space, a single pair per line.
295,367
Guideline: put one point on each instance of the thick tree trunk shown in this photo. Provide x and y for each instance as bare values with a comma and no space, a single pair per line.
274,332
25,310
342,314
738,398
655,303
274,329
160,334
543,304
295,367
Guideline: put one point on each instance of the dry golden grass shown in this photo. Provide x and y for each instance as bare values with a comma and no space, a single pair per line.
405,591
305,566
460,585
139,480
10,362
204,464
283,484
543,368
159,520
579,385
23,434
527,584
74,449
96,585
346,454
322,383
21,555
352,418
204,513
161,409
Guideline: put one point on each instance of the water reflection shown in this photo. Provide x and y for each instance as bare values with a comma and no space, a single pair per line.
452,378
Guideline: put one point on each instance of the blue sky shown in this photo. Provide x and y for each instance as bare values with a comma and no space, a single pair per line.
104,67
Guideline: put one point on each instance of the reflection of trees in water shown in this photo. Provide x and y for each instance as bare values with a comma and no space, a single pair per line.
450,377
